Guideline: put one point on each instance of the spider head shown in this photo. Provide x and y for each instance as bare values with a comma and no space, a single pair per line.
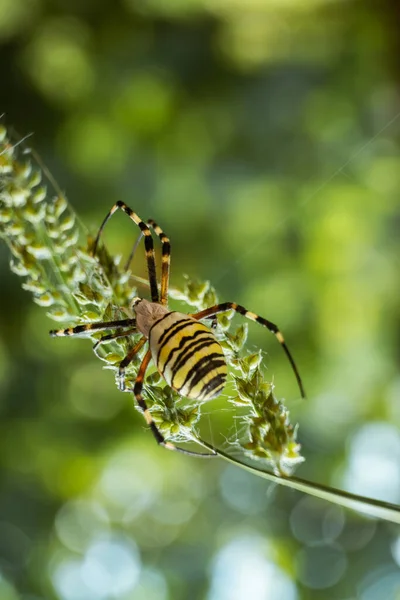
147,313
134,302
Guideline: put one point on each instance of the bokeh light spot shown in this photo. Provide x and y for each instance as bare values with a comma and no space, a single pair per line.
79,522
7,590
58,62
130,480
94,145
68,581
145,104
15,15
383,582
242,570
373,465
111,567
151,586
314,521
243,492
89,393
321,566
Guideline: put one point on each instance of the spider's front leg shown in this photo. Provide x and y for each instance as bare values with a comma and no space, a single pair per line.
148,243
88,328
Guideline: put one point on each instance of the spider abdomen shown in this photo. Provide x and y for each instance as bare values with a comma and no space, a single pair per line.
188,356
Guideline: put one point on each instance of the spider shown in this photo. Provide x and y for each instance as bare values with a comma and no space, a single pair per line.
184,350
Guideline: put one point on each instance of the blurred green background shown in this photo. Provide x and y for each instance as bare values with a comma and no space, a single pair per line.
263,136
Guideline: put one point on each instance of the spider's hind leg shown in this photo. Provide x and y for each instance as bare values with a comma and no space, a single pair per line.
126,361
218,308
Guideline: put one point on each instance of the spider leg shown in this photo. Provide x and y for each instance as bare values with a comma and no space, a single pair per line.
137,390
89,327
148,243
132,252
127,360
112,336
165,260
218,308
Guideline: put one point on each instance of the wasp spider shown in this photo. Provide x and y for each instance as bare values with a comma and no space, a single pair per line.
184,350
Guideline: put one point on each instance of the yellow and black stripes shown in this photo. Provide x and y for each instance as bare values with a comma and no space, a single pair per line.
188,356
137,390
148,243
165,260
218,308
89,327
185,351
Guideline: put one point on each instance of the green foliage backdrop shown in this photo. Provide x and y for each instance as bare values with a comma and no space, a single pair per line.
263,136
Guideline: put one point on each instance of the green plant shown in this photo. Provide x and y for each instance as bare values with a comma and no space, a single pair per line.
52,252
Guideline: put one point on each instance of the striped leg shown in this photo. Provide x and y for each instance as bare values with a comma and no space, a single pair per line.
127,360
148,243
114,336
89,327
137,390
165,258
218,308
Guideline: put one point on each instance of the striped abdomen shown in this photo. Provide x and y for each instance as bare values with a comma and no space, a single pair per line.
188,356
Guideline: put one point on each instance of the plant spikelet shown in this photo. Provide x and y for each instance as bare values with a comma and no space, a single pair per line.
52,252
